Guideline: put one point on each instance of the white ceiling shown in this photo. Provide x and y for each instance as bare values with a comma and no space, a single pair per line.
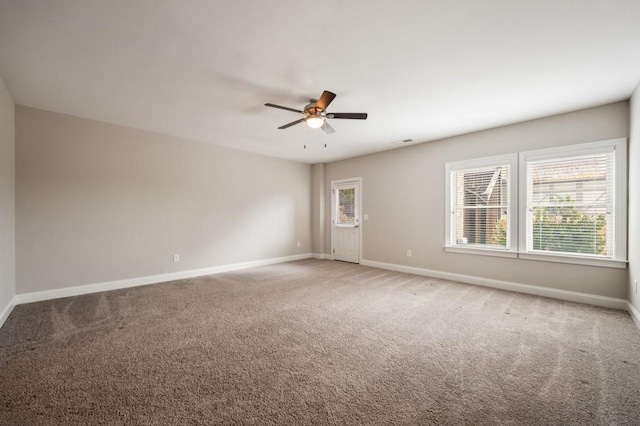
202,69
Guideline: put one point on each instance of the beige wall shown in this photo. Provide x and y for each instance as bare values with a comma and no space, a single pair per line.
403,194
7,199
317,208
98,202
634,200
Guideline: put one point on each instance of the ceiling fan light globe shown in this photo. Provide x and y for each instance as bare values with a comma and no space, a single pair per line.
314,122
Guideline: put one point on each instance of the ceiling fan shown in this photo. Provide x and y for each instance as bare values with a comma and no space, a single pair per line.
316,115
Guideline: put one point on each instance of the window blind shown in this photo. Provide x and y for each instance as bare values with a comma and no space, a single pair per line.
480,206
570,204
346,202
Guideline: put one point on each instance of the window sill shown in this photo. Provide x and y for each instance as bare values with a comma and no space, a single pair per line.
481,251
607,263
543,257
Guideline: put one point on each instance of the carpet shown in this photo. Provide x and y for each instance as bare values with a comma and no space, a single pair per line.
317,342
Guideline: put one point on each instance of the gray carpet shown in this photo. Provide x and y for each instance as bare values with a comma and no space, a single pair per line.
317,342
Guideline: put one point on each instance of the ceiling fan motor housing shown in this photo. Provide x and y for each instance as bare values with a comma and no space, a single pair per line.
312,108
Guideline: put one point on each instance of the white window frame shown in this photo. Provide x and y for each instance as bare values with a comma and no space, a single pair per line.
512,244
619,146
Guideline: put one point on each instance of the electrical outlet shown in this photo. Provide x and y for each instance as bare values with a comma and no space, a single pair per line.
176,258
299,244
409,254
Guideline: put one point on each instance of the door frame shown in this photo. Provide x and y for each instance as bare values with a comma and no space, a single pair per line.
357,180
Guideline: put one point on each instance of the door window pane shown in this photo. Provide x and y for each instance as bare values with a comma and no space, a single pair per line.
346,214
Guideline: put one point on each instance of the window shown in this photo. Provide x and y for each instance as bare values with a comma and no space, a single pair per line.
345,205
479,209
574,202
565,204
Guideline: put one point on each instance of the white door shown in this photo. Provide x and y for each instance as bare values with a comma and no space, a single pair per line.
345,220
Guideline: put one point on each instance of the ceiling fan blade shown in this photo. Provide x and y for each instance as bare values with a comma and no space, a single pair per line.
293,123
283,107
324,101
327,128
348,115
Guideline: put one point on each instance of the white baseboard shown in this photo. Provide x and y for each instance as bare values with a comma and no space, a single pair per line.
321,256
7,311
635,315
152,279
571,296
